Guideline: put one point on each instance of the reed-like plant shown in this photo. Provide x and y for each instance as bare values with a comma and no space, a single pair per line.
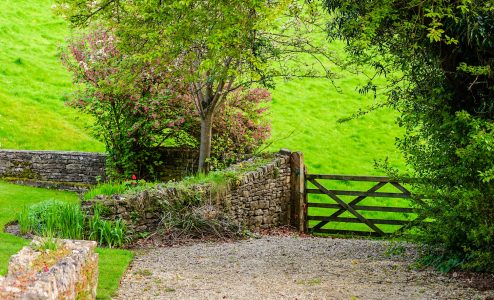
66,220
105,232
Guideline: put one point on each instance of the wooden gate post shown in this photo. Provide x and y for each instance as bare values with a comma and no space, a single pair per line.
297,188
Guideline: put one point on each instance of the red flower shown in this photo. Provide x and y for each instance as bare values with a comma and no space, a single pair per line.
134,177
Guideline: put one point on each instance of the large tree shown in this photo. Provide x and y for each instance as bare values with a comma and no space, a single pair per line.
440,56
215,46
136,121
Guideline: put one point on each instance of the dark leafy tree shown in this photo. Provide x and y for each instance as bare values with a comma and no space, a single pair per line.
439,56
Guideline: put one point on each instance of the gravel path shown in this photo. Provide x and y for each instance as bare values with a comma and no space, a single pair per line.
275,267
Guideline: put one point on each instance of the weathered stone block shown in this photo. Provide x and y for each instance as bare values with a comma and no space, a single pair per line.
75,276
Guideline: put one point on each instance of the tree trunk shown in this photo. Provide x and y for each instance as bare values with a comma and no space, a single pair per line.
205,150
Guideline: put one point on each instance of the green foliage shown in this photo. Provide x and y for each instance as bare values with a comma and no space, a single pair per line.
441,262
48,242
136,120
108,188
240,127
58,218
116,188
445,93
133,119
111,234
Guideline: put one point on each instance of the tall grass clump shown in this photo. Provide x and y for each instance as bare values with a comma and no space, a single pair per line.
66,220
112,234
108,188
62,219
117,188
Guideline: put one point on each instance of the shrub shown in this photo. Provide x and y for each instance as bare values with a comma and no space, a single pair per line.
444,52
131,119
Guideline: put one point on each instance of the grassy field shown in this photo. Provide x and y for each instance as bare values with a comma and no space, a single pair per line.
112,262
33,83
305,116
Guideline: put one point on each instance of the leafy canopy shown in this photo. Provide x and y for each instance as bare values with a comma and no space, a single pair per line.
445,91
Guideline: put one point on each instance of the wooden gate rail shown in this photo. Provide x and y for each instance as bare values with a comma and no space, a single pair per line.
352,206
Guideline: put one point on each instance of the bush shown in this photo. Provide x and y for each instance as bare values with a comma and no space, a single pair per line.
439,56
53,217
131,119
240,127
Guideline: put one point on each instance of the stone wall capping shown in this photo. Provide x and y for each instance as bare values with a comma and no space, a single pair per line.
74,276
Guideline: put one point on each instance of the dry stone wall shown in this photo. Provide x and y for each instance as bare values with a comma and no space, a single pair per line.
58,169
262,198
77,171
74,276
178,163
259,199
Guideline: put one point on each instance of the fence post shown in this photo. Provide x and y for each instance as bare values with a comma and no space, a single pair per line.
297,188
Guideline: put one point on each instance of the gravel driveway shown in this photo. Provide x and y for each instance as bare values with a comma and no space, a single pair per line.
275,267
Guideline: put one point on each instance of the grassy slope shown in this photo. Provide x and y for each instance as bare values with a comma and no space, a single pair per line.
33,82
311,108
112,262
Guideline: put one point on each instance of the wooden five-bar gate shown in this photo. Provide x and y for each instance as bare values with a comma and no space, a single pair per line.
352,206
320,214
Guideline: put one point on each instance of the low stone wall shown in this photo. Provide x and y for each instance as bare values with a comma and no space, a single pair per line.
260,199
178,163
74,276
57,169
77,171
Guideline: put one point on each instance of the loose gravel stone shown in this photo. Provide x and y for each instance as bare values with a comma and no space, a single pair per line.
274,267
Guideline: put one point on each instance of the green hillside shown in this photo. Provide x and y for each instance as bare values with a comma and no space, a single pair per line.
311,110
33,84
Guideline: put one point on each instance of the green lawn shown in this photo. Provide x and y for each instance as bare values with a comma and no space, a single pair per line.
112,262
311,108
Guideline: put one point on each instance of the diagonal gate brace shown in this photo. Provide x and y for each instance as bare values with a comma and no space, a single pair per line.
352,204
348,207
